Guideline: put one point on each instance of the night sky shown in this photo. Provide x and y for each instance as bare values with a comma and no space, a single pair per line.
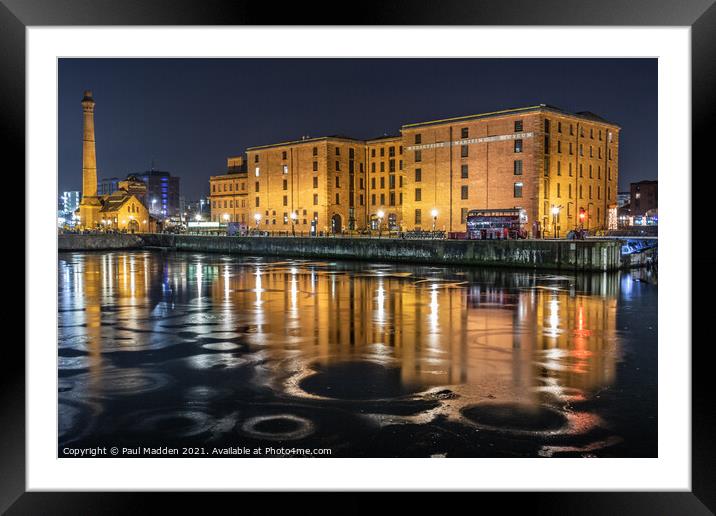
188,115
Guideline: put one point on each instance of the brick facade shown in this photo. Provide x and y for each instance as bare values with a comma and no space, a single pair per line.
536,158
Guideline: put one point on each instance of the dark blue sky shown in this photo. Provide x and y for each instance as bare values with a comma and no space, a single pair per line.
188,115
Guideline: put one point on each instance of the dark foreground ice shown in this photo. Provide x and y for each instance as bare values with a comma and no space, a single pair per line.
212,352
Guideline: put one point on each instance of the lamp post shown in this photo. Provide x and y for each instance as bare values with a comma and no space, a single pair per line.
434,214
257,218
293,223
555,218
380,214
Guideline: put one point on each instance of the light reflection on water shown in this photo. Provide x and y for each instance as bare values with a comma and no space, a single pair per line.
429,351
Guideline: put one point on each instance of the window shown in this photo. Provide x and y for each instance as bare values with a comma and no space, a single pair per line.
559,168
315,200
518,126
418,216
382,199
570,190
546,165
372,167
591,151
382,182
372,153
392,198
315,151
463,215
338,165
338,151
257,201
391,165
315,182
418,175
570,169
418,194
571,152
338,198
391,152
418,156
518,190
360,197
518,145
581,170
559,147
256,158
581,149
580,192
571,130
546,125
372,199
546,189
463,171
257,171
418,139
463,151
464,132
590,172
257,186
463,192
518,167
559,190
315,166
285,184
590,191
283,155
285,200
372,183
591,133
391,181
351,153
382,166
338,182
559,127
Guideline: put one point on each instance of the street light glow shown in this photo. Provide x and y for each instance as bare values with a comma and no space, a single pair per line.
226,216
381,214
257,217
555,210
434,213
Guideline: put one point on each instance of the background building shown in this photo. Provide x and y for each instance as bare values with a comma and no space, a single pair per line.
562,168
163,192
68,202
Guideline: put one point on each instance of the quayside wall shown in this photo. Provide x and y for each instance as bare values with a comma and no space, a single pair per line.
591,255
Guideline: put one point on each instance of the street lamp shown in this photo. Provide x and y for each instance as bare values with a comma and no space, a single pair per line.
226,217
198,217
293,223
434,213
380,214
257,218
555,218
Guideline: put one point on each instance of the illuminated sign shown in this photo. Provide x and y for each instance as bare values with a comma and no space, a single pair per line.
468,141
207,224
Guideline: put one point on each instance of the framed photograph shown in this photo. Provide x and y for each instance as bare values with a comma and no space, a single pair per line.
417,250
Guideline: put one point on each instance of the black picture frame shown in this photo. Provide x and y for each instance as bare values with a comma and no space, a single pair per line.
700,15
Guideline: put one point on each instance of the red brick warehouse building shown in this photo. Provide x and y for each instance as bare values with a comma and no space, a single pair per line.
554,164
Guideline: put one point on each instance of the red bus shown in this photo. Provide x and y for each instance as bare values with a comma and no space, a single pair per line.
505,224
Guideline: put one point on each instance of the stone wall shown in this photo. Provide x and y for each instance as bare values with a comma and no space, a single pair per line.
594,255
98,242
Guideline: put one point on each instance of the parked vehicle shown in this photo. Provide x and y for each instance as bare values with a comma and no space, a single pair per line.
496,224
